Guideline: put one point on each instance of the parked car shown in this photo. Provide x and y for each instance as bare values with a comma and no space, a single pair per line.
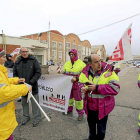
50,63
135,63
124,62
129,62
138,65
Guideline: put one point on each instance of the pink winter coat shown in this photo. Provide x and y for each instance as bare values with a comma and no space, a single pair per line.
104,105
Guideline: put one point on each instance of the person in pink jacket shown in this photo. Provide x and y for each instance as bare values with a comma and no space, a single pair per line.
73,67
100,84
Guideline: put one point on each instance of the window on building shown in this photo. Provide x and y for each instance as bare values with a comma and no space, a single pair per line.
54,50
86,51
74,46
60,51
67,51
60,46
39,58
54,55
79,52
53,45
89,51
60,55
83,52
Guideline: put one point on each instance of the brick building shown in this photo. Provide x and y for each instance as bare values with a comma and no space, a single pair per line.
59,45
50,45
37,48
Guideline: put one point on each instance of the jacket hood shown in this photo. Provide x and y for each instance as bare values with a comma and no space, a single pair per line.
76,55
8,55
104,68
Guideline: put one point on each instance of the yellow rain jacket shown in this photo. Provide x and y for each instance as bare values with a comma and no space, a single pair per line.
8,92
74,69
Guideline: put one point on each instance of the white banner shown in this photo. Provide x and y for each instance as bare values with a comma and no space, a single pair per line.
10,72
54,90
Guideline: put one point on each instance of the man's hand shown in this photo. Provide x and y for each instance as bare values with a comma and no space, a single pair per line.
73,80
29,88
83,89
91,87
21,80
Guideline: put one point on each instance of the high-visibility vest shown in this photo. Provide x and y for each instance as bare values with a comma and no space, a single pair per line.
74,69
106,78
119,66
139,78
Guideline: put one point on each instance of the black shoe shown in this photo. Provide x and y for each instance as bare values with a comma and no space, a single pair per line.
25,121
35,123
19,100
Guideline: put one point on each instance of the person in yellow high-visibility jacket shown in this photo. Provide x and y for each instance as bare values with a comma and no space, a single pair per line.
73,67
8,92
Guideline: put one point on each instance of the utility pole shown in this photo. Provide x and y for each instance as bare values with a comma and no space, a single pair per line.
49,42
3,40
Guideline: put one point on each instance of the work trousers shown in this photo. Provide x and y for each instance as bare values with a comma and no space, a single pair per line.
97,127
77,96
35,109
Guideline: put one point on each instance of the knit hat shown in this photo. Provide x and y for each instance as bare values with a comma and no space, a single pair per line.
2,52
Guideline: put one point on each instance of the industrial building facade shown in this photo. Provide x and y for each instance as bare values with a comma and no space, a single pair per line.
59,45
51,45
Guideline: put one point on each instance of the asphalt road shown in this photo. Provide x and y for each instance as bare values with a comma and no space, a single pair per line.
122,121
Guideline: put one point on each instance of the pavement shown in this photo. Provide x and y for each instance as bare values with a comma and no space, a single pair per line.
122,122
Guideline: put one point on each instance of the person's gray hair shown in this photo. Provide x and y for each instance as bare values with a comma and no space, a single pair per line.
22,48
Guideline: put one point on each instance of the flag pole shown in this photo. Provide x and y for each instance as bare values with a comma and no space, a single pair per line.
39,106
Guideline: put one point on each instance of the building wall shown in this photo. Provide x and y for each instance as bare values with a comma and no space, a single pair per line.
86,44
56,36
39,49
102,50
57,39
10,48
74,41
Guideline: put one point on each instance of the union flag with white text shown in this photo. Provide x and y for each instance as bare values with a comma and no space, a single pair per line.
123,49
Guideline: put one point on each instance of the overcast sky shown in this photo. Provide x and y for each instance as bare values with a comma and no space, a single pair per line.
23,17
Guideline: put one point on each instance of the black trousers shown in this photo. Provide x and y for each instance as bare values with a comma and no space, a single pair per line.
101,125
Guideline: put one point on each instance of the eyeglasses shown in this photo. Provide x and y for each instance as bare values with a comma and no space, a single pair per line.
24,51
71,54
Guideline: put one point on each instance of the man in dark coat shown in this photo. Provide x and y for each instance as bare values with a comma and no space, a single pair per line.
9,63
86,60
28,67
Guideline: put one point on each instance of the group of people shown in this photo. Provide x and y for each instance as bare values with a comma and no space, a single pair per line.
95,79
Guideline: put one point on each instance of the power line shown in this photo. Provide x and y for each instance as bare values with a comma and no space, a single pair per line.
109,24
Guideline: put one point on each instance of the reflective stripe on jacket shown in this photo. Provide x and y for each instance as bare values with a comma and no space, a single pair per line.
74,69
139,122
102,97
139,81
8,92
